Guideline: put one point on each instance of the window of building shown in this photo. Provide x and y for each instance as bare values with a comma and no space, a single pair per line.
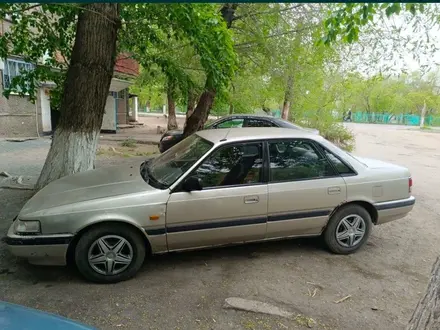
14,68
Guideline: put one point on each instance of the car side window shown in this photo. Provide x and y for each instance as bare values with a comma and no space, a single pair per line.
233,123
342,168
232,165
252,122
293,160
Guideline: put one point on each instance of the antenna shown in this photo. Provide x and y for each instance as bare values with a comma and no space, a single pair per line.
225,138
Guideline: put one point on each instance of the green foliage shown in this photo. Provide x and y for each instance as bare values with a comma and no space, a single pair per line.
338,134
39,33
195,33
345,20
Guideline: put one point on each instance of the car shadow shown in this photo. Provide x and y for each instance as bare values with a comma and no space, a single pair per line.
51,275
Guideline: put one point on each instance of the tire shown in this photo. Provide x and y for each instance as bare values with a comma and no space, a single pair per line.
133,250
336,225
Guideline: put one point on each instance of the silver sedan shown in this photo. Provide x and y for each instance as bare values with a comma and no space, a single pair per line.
216,187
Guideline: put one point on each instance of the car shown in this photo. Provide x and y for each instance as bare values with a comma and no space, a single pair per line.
172,137
17,317
214,188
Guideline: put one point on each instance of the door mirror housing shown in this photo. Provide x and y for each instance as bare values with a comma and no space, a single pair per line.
192,183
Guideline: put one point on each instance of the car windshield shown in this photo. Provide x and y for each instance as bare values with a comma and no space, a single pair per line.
164,170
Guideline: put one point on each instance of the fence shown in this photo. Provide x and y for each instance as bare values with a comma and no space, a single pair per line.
401,119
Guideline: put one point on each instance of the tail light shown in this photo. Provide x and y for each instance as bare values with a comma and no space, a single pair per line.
410,183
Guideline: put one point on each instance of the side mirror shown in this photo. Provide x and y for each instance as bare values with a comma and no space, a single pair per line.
192,183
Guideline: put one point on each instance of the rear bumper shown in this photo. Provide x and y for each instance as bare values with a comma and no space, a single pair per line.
39,249
393,210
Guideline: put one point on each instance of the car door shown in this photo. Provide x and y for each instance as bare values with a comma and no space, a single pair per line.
231,207
304,188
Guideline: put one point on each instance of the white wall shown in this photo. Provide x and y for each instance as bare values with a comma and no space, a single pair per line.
109,120
45,110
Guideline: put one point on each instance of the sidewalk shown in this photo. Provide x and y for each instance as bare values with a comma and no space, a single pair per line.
139,134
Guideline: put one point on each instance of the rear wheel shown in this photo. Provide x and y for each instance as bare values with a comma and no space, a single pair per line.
348,229
110,253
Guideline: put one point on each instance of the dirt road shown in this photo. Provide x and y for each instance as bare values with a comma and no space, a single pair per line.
187,290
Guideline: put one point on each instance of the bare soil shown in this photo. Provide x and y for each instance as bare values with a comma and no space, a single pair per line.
187,290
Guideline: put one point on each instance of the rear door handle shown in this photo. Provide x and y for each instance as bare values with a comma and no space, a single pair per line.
334,190
251,199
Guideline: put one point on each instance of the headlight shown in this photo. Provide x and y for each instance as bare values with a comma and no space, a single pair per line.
27,227
166,138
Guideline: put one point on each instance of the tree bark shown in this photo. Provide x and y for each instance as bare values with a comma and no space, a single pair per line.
172,121
191,104
287,98
427,313
85,93
201,113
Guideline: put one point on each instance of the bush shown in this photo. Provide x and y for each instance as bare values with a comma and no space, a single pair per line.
333,131
339,135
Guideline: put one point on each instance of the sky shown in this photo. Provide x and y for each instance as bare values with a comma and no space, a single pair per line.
395,52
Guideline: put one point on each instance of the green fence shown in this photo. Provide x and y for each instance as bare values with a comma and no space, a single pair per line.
401,119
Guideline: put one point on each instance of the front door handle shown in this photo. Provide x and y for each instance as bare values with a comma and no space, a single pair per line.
334,190
251,199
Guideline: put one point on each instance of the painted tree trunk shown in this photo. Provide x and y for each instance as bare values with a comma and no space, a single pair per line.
427,313
86,89
287,98
172,121
200,114
423,114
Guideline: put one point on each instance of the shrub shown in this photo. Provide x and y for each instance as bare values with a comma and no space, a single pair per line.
130,143
339,135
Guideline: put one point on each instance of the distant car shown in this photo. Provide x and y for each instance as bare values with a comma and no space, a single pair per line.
16,317
215,187
173,137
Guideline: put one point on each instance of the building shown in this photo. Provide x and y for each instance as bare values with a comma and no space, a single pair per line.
21,118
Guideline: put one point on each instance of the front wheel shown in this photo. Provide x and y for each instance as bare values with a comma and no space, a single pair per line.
348,229
110,253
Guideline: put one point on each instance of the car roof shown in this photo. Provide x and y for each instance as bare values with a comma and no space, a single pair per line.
251,115
253,133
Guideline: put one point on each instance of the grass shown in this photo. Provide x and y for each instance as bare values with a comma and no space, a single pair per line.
129,143
123,152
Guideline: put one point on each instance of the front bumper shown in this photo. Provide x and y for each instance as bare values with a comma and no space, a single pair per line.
39,249
394,210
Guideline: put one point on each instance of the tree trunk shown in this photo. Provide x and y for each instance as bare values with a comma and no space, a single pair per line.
231,108
172,121
201,113
427,313
85,93
287,98
423,114
191,104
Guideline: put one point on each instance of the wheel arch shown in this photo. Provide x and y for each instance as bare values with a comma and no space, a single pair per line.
70,255
369,207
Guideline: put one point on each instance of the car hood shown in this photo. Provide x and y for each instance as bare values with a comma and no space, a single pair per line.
86,186
16,317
